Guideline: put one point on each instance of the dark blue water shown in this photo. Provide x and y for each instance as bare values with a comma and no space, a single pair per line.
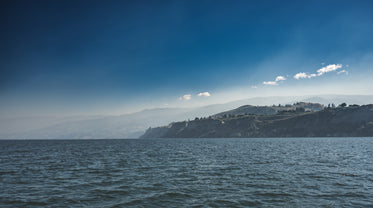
278,172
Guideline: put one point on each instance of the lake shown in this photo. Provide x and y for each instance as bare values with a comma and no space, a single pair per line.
224,172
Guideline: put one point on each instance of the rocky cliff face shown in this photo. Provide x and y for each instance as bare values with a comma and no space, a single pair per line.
338,122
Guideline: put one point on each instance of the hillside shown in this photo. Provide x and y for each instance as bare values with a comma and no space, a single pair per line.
269,110
133,125
338,122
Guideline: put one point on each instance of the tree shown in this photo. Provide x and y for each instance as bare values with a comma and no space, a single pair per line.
300,109
343,105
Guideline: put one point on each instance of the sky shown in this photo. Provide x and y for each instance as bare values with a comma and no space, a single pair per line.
67,57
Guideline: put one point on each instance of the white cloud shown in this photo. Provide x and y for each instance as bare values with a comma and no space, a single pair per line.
303,75
329,68
254,87
300,75
280,78
186,97
204,94
343,71
270,83
326,69
312,75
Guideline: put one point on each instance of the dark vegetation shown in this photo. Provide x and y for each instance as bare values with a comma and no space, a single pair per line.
298,120
269,110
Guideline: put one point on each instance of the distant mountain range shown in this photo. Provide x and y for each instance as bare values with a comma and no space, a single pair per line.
134,125
352,121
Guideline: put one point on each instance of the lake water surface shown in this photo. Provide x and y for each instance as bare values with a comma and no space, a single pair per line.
272,172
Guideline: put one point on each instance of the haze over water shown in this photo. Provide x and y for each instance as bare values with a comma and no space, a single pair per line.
273,172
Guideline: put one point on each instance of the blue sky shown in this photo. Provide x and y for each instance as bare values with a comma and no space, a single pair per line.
112,57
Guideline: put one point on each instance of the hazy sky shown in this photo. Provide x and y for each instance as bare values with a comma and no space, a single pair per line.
100,57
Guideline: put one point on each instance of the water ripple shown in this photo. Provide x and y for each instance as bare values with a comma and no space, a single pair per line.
277,172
